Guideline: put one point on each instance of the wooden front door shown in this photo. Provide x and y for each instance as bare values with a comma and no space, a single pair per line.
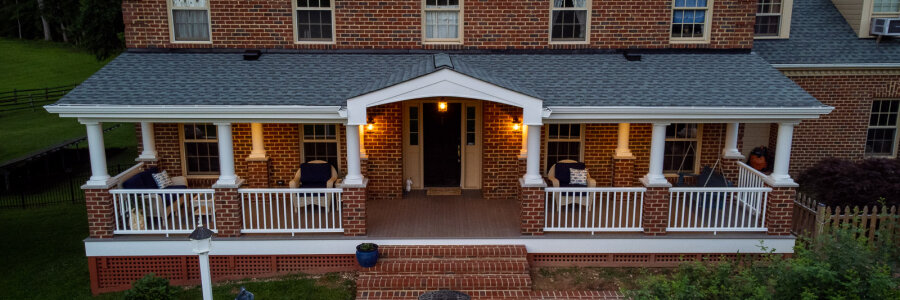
441,137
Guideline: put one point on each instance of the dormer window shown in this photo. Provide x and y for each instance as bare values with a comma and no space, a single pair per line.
773,18
189,21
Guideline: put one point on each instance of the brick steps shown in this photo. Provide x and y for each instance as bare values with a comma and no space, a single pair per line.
439,282
450,266
486,251
505,295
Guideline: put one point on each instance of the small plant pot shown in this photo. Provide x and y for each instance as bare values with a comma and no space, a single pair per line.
367,258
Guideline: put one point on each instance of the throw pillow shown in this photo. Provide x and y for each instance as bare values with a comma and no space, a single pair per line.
162,179
578,177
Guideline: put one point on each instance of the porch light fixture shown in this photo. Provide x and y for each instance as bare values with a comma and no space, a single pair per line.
442,106
516,124
370,123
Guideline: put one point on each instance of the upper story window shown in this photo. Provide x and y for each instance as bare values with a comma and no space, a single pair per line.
442,20
320,142
564,141
886,6
881,138
690,20
189,20
569,20
201,149
315,21
773,18
682,142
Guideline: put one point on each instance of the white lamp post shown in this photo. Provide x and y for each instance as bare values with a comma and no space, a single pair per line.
201,239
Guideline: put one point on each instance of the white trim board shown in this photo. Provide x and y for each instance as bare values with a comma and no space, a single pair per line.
348,246
679,114
202,113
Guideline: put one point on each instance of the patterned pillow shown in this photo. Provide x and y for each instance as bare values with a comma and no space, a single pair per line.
578,177
162,179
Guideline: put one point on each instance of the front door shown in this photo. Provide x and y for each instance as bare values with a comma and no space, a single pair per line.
441,140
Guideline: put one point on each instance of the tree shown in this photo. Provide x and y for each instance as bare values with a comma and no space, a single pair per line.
101,27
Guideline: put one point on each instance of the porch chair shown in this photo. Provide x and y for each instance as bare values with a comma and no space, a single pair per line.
559,175
315,174
156,205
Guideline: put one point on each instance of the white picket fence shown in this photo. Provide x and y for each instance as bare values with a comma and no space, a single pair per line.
593,209
153,211
717,209
291,210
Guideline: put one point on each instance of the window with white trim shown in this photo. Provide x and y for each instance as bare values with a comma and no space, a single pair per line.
768,18
881,137
320,142
201,149
314,20
189,20
682,142
569,20
442,20
690,20
886,6
564,141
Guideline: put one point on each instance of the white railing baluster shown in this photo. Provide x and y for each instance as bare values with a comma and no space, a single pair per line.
161,211
716,209
273,210
593,209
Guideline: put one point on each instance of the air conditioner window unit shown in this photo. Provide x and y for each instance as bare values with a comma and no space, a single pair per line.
885,26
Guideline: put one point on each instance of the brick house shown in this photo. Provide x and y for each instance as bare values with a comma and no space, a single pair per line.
445,121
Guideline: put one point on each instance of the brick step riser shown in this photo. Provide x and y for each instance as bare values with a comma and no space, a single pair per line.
513,282
452,252
482,294
461,267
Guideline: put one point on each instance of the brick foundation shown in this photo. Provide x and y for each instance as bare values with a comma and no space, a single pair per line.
99,206
228,212
623,172
532,210
779,210
353,212
655,216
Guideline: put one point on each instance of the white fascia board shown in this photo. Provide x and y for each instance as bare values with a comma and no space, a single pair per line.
837,66
626,114
444,83
533,245
205,113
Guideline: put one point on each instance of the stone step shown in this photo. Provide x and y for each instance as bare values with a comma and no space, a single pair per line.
370,282
510,294
480,251
449,266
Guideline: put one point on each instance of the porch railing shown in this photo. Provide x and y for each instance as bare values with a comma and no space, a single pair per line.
750,177
166,212
594,209
717,209
291,210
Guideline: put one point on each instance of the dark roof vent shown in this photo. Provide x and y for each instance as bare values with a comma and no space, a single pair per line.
252,54
631,57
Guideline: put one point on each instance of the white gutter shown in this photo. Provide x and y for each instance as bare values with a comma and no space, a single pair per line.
837,66
722,114
208,113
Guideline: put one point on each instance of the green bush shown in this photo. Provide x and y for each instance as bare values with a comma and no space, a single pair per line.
150,287
837,265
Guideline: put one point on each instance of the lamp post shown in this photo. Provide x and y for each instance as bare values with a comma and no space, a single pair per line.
201,239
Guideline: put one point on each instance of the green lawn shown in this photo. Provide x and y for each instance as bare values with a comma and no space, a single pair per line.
43,258
39,64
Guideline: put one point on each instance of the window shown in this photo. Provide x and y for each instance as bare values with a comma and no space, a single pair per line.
569,21
470,125
413,125
881,138
442,20
690,20
563,142
201,149
768,17
189,20
886,6
320,142
315,21
681,148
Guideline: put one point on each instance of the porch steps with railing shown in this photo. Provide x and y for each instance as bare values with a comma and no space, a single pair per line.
488,272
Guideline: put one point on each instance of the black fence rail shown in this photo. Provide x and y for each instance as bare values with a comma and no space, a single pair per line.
32,99
64,187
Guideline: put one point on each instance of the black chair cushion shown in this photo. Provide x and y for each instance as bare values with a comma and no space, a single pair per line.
314,185
708,178
563,173
314,175
142,180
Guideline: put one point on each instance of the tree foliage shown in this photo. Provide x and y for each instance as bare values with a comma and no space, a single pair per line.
841,182
95,25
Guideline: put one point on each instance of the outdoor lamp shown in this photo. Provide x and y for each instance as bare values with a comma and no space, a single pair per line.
516,124
442,106
370,123
201,240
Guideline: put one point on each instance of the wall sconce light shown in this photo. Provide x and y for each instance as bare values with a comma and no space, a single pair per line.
442,106
516,124
370,123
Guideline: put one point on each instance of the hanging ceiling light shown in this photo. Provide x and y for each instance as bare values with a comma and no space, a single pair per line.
442,106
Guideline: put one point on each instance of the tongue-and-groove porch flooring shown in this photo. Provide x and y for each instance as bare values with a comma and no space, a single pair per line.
467,216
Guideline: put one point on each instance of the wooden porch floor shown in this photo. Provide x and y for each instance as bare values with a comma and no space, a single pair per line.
467,215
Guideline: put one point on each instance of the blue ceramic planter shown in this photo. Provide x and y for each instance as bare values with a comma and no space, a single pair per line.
367,259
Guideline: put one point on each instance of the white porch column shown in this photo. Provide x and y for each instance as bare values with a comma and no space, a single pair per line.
148,141
532,169
655,176
622,150
96,148
258,150
780,176
524,152
354,175
227,178
362,142
730,149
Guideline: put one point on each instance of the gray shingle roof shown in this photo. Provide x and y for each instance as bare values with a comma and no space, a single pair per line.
744,80
820,35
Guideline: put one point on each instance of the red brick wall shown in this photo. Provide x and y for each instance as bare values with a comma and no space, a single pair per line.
842,133
502,146
518,24
168,148
599,148
384,145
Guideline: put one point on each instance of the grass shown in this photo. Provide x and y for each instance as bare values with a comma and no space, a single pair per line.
34,131
43,258
39,64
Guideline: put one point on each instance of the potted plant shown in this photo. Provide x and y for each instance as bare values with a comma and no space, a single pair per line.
367,254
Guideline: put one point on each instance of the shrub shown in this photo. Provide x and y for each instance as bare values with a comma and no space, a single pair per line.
841,182
150,287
